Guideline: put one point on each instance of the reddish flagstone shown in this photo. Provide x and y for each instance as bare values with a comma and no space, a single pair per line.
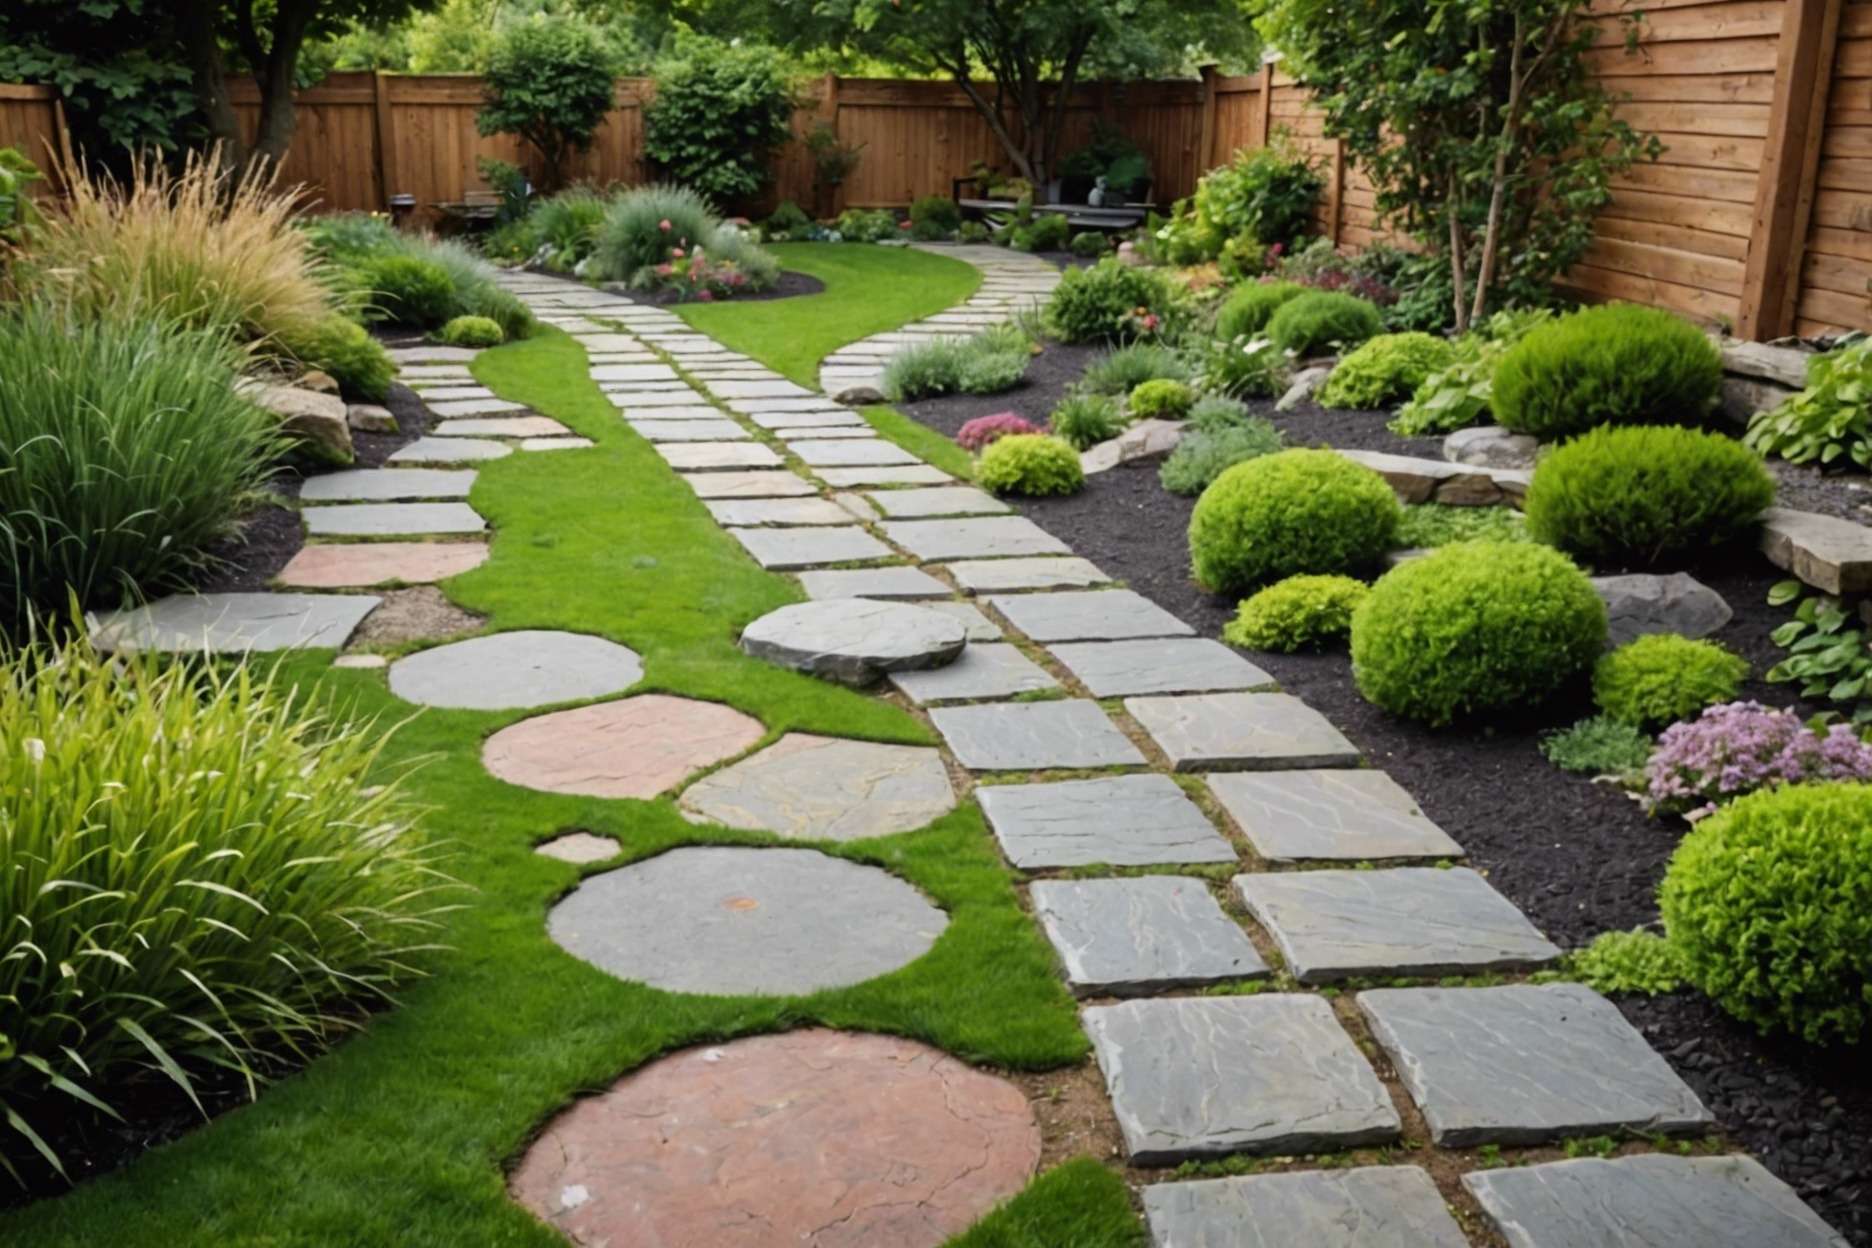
818,1137
637,747
374,563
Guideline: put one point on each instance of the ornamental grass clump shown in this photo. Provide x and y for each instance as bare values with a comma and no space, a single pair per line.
1737,748
1120,372
1031,464
1085,420
1616,364
1387,368
1286,513
1661,678
641,226
202,872
1300,612
987,363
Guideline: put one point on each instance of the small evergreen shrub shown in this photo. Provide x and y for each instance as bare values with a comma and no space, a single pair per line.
1427,525
719,112
1032,464
1616,364
1120,372
1162,399
1090,244
1662,678
866,225
1768,903
1387,368
342,348
1600,746
1475,628
938,212
1102,302
472,331
1084,420
1252,306
973,232
1298,613
788,223
1640,493
1640,961
1731,750
1043,233
985,364
976,434
1290,512
1322,320
1204,455
1215,412
408,290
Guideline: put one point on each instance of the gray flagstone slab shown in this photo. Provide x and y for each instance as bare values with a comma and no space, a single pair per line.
1365,1207
760,390
897,582
711,456
434,372
500,427
1150,933
1119,821
689,430
1094,615
949,500
433,392
1241,731
475,407
992,670
758,483
1032,736
391,519
432,355
448,451
815,418
821,788
1112,669
511,670
805,402
555,444
847,453
633,372
979,626
987,537
607,342
854,641
752,512
1338,814
980,576
785,550
235,623
382,485
791,436
675,411
899,474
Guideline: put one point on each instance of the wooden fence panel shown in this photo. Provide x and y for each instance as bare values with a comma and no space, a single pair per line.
1835,290
32,120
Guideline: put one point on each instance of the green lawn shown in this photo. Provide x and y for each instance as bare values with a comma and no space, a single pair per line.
399,1137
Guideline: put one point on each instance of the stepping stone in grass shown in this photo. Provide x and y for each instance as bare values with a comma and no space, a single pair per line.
1648,1201
1341,814
1366,1207
555,444
994,670
978,626
731,921
383,485
524,668
848,433
579,847
786,550
989,575
812,419
713,456
772,483
607,341
475,407
808,403
762,390
1112,669
806,787
355,565
1195,1077
1150,933
951,500
635,747
1522,1064
1119,821
633,372
1241,731
448,451
750,512
413,373
689,430
1094,615
696,412
854,641
897,582
973,539
392,519
851,453
432,355
439,392
500,427
1034,736
883,474
835,1139
1406,921
234,623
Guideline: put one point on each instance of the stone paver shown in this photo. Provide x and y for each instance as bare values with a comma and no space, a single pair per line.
1095,615
894,582
432,355
781,389
235,623
942,500
507,671
1120,821
1648,1201
449,451
391,519
1241,731
1407,921
1129,937
1194,1077
635,747
762,483
501,427
978,626
1337,814
1522,1064
981,576
973,539
907,474
711,456
634,372
1029,736
386,485
823,418
579,848
360,564
1366,1207
991,670
816,1137
822,788
1113,669
851,453
689,430
786,550
435,388
555,444
847,432
474,407
854,641
733,921
784,512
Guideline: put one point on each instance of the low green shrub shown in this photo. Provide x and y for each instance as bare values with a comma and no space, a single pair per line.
789,223
1204,455
939,211
1162,399
1427,525
1829,419
1323,320
1266,193
1661,678
343,349
566,227
1769,904
472,331
346,237
1600,746
476,293
719,112
1043,233
407,290
1298,613
1215,412
973,232
1102,302
1251,306
1090,244
1243,366
1286,513
1385,369
1476,628
1615,364
984,364
1083,420
866,225
1641,493
1640,962
1119,372
1030,463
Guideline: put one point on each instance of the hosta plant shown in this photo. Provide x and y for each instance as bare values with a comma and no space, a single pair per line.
1828,652
1831,418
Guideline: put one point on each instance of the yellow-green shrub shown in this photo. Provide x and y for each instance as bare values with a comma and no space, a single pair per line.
1030,463
1290,512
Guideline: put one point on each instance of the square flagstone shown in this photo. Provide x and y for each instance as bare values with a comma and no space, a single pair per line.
1405,921
1194,1077
982,576
992,670
1119,821
1365,1207
1525,1064
770,483
948,500
1090,615
820,419
1241,731
231,623
689,430
803,402
383,485
555,444
761,390
690,411
1340,814
1130,937
474,407
898,582
710,456
633,372
433,390
1648,1201
354,565
391,519
1111,669
973,539
601,342
851,453
500,427
820,433
448,451
783,550
883,474
979,626
749,512
1031,736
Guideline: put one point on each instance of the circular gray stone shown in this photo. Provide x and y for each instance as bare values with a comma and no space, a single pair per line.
503,671
773,922
1490,446
855,641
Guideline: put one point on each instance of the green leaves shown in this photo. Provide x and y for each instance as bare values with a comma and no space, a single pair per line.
1828,656
719,113
549,81
1830,418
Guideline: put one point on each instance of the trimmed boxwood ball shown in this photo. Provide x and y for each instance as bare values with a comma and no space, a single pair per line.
1291,512
1032,464
1162,399
1322,320
1387,368
1663,678
1475,628
1299,612
1616,364
1768,902
1249,309
1638,494
472,331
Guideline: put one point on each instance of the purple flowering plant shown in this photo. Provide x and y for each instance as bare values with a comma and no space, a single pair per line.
978,433
1740,747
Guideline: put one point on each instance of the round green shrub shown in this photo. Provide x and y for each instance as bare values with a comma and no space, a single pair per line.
1616,364
1475,628
1250,307
1086,419
1162,399
1090,245
342,348
939,212
1215,412
1097,303
1638,494
1769,904
1290,512
472,331
1205,454
1321,320
1030,463
1298,612
408,290
1387,368
1659,679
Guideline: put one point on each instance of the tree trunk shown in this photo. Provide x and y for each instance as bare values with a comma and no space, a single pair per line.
1458,277
1498,192
201,48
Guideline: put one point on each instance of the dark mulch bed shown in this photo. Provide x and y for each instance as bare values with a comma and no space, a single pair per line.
789,286
1808,488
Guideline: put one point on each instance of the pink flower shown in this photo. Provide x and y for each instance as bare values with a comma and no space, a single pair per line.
676,252
664,270
983,430
903,225
664,225
704,295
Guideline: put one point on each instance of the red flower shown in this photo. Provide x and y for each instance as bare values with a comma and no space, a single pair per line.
903,225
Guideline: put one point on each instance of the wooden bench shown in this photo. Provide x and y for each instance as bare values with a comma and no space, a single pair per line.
474,208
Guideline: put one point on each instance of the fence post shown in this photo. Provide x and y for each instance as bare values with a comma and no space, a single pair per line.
386,139
1266,120
1338,189
1784,186
829,116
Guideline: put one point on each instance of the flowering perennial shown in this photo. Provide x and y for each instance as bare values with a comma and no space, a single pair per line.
1740,747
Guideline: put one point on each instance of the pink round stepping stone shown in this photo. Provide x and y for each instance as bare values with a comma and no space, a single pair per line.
636,747
374,563
817,1137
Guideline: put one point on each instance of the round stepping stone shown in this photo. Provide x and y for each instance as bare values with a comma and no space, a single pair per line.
529,667
638,747
737,921
812,1137
855,641
823,788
